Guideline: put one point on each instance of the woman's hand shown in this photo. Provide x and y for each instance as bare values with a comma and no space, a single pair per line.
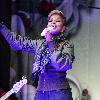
47,33
48,36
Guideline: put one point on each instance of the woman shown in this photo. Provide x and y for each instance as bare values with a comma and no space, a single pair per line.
53,57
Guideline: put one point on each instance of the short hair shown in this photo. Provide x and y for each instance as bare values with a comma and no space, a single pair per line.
58,12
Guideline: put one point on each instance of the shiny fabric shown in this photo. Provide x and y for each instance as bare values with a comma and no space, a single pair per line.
63,94
52,80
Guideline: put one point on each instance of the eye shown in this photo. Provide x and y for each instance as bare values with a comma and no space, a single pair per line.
58,21
50,21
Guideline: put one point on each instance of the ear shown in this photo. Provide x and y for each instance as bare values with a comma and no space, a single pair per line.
63,29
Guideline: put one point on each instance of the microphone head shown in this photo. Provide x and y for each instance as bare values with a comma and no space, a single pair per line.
48,29
52,30
44,32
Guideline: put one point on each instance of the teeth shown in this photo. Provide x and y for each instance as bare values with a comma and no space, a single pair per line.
50,28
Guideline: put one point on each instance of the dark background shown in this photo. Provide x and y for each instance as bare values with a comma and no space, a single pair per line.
4,47
5,8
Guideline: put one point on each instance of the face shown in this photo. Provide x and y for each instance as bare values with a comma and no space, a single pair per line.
56,23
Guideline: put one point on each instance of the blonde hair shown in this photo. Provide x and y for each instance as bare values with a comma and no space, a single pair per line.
58,12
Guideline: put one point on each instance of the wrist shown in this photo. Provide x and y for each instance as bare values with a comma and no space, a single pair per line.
50,39
51,44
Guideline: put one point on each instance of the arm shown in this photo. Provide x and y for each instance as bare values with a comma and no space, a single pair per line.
16,41
62,60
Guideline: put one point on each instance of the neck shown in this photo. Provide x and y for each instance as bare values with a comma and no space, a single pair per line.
59,38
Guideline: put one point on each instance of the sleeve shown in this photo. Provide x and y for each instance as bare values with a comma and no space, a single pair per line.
18,42
62,60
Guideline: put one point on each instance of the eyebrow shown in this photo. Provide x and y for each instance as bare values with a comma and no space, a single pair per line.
56,19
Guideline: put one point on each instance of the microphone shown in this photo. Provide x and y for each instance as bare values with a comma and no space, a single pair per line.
49,29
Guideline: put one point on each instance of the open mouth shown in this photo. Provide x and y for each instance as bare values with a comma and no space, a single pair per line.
51,27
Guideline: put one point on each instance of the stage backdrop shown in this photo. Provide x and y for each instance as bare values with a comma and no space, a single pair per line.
87,46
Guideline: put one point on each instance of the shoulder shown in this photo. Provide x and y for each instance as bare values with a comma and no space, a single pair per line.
68,43
68,47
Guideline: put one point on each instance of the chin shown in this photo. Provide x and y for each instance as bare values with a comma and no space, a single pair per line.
55,33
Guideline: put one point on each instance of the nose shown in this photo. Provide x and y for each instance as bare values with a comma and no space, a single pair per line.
53,22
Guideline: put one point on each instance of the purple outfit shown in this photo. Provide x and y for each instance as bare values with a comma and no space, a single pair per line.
53,60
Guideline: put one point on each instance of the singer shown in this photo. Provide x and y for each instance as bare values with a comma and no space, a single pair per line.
53,57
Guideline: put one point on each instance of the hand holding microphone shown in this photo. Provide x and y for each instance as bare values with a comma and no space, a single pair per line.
49,32
49,29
